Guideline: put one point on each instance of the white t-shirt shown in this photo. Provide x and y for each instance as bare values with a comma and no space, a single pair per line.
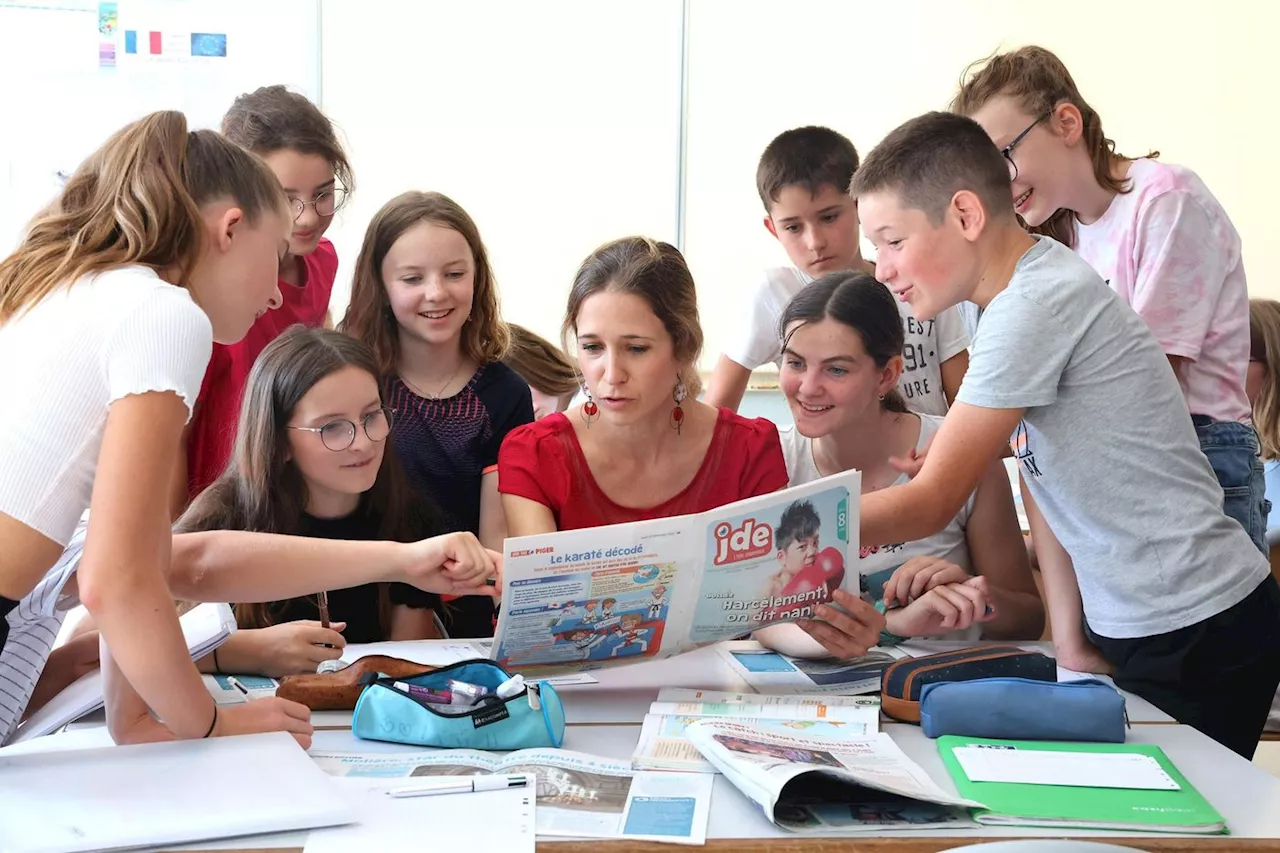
928,343
33,628
1169,250
67,358
877,563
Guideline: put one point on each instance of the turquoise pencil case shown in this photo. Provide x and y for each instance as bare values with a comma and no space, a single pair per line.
1024,709
534,717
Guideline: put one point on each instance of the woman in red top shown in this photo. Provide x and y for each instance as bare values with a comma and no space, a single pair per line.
641,446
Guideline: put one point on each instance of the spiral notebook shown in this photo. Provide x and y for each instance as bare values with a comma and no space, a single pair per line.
204,628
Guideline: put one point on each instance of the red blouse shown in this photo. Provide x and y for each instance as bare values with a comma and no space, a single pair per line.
543,462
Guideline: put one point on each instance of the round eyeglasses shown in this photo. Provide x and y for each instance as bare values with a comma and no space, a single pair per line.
1007,151
338,435
326,203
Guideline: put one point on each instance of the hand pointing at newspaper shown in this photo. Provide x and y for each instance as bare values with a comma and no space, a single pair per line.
454,564
845,634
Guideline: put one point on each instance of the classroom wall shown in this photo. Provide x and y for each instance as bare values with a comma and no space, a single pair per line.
554,125
565,133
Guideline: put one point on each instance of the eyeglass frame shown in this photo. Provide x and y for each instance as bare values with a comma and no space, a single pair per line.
1007,151
387,411
338,202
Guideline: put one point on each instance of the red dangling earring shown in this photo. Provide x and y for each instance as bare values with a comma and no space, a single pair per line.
679,393
590,411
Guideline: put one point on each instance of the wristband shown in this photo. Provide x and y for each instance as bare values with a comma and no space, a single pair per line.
212,724
887,638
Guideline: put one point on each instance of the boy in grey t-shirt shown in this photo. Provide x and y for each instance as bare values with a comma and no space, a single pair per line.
1169,587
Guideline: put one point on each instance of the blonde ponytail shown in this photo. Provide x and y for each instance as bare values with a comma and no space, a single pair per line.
136,200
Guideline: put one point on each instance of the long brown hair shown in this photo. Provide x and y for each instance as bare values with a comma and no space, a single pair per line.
658,274
484,337
136,200
541,364
272,118
263,492
1040,81
1264,334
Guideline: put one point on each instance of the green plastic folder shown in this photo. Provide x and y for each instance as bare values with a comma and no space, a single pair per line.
1017,804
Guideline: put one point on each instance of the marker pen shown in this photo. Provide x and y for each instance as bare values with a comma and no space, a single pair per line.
426,694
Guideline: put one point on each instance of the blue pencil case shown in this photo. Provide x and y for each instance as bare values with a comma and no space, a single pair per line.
1024,709
531,718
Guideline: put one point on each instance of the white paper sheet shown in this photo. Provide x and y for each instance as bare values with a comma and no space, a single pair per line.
490,820
162,794
1074,769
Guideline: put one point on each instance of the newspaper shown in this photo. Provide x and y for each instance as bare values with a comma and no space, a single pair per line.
578,795
664,746
814,785
768,671
623,593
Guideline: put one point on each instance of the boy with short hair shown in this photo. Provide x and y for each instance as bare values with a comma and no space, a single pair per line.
803,180
1166,591
797,541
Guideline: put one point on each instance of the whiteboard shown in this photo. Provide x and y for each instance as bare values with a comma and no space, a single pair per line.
73,75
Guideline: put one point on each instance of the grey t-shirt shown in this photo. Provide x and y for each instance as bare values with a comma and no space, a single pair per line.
1108,450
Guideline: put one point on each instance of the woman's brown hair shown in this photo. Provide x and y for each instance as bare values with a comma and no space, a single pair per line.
484,336
274,119
1040,82
1264,340
136,200
541,364
658,274
263,492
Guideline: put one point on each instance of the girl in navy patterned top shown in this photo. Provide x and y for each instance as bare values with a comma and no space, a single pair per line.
423,298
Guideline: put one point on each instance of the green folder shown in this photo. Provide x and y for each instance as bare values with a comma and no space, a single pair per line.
1059,806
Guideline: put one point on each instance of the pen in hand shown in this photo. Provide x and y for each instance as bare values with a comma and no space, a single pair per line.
322,602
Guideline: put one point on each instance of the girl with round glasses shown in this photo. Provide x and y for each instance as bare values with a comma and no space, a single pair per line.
312,458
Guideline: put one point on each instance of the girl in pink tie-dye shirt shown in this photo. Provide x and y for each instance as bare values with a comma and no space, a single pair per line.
1152,230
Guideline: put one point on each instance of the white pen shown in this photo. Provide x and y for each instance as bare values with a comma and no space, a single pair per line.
474,785
234,682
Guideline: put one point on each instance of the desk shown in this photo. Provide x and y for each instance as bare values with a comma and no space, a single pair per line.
1247,797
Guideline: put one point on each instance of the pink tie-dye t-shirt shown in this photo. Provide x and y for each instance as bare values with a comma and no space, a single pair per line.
1169,250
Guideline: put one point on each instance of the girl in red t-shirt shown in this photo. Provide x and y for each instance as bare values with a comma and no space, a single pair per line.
641,446
299,145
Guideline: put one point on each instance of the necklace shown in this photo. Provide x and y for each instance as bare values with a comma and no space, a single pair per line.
439,394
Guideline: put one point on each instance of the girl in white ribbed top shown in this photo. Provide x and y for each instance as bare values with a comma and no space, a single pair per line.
161,243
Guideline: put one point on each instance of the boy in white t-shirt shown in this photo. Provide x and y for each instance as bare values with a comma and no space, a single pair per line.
1162,588
803,180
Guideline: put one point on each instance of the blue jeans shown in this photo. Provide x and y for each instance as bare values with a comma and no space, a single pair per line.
1232,449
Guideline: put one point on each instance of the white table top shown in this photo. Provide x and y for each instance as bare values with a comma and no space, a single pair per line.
1248,797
